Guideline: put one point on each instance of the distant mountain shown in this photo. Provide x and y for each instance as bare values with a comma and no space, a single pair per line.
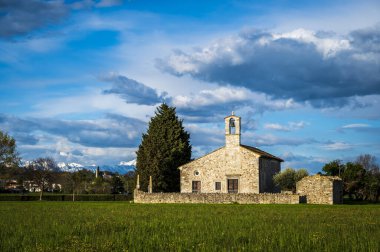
129,163
70,167
122,168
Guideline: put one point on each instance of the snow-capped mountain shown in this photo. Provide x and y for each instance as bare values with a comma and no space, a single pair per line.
70,167
122,168
128,163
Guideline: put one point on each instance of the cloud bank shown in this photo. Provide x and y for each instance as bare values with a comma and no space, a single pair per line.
112,131
23,16
324,69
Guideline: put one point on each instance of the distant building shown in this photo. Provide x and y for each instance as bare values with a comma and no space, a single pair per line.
11,184
31,186
234,168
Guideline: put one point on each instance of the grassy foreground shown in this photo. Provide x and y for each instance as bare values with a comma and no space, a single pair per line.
122,226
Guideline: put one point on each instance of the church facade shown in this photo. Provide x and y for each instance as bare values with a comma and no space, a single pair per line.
233,168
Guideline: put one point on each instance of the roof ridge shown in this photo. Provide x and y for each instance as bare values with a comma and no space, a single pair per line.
251,148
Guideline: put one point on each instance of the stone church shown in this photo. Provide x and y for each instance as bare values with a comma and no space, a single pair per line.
234,168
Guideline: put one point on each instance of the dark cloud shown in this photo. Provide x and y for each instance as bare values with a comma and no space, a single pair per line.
112,131
25,138
133,91
367,40
319,68
19,17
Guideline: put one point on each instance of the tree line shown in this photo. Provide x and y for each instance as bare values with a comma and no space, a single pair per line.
164,147
43,175
361,178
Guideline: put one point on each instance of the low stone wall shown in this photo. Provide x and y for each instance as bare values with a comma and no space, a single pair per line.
224,198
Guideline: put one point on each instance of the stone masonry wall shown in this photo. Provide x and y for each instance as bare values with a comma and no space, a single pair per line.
321,189
224,198
220,165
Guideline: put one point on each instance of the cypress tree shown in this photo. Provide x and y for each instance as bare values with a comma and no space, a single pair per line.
164,147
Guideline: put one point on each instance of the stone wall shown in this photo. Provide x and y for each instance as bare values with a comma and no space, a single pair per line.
218,166
224,198
321,189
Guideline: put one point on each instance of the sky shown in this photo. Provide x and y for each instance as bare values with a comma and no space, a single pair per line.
80,80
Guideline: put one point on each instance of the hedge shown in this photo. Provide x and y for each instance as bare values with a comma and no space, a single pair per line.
66,197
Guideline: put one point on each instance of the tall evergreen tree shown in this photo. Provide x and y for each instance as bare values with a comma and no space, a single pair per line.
164,147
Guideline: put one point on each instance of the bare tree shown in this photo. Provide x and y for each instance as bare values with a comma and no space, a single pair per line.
368,162
78,181
41,171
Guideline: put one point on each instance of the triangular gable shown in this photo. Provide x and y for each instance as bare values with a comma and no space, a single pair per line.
261,152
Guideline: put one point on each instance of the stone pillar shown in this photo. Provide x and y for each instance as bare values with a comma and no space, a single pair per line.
138,182
150,187
97,172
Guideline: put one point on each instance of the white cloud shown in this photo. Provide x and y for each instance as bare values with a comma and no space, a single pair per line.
223,100
328,46
355,126
91,101
212,97
64,154
290,127
336,146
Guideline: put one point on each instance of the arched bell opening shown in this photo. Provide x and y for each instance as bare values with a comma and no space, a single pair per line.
232,126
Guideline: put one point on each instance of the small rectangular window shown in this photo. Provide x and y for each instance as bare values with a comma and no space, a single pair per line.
196,186
218,186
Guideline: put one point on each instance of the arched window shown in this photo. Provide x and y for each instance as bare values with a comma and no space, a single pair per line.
232,126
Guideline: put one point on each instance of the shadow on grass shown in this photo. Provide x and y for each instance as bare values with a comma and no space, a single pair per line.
359,202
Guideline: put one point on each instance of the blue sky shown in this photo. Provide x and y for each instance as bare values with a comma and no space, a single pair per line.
79,80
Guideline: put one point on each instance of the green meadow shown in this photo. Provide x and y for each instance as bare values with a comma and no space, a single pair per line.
123,226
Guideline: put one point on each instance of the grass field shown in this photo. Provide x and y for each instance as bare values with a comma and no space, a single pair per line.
122,226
